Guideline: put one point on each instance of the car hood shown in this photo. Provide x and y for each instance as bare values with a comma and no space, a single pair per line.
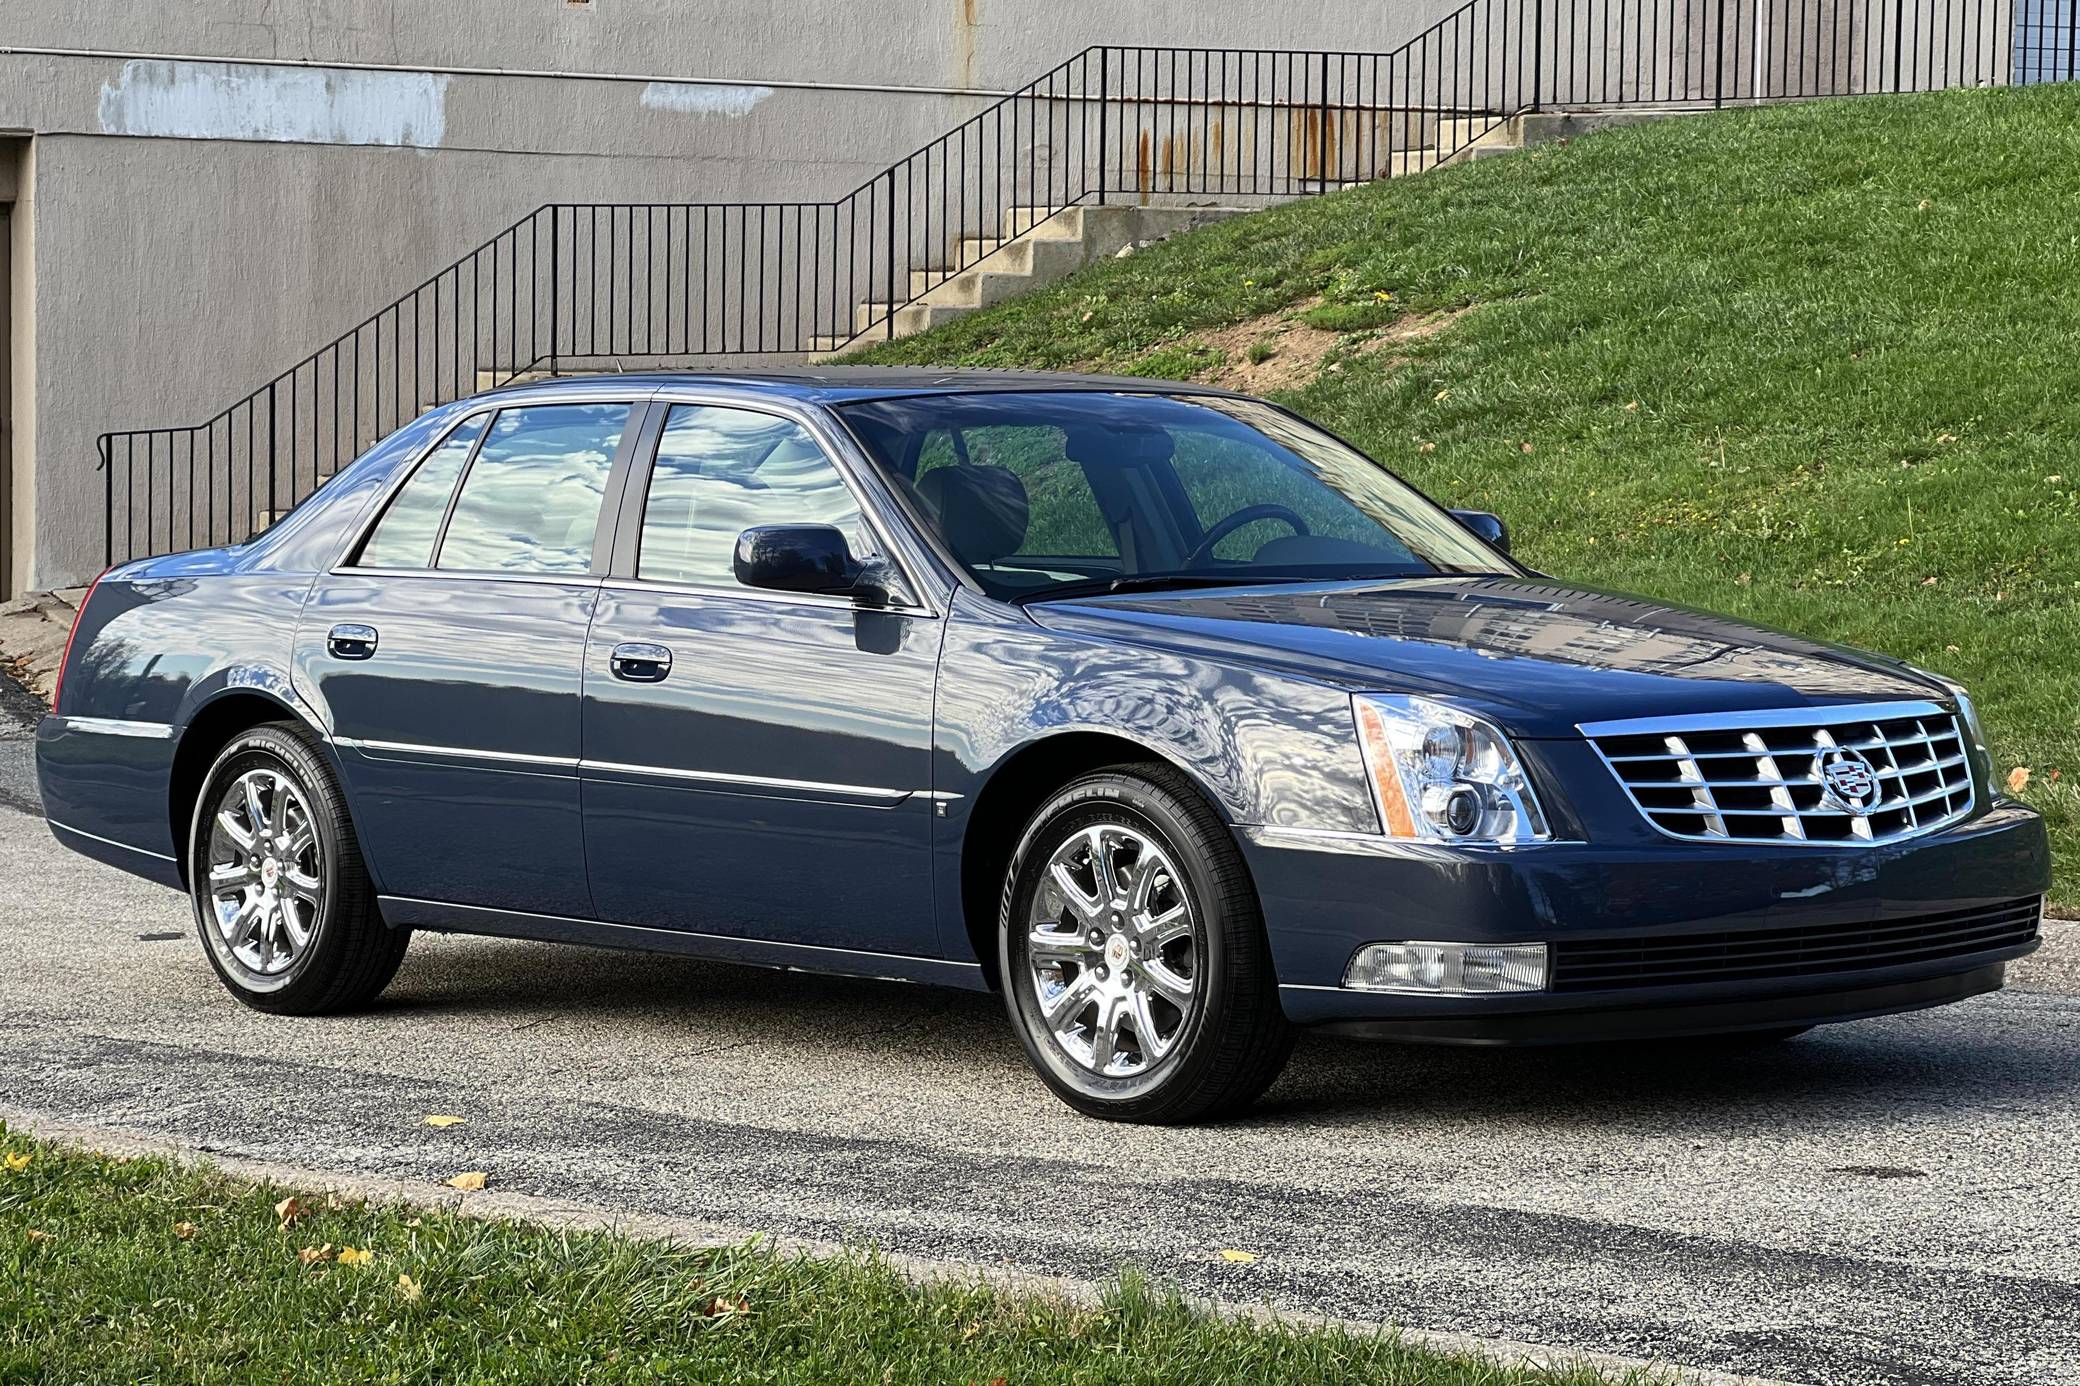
1537,658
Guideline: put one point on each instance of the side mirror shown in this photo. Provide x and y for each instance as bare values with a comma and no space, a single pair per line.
812,558
796,558
1489,527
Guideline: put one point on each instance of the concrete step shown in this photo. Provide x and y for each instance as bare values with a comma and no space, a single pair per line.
1457,132
911,318
1051,245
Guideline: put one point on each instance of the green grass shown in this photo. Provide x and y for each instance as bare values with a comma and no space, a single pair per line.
1816,365
145,1270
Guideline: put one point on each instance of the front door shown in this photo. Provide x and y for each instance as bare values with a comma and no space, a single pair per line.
447,656
756,763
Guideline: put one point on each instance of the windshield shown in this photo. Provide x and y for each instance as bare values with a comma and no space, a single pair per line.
1059,493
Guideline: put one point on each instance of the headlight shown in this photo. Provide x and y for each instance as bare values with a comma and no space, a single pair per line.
1974,733
1440,774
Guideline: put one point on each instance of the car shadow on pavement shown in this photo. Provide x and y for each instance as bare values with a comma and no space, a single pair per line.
1964,1060
1974,1056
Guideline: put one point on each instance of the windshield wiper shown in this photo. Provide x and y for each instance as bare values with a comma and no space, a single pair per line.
1146,582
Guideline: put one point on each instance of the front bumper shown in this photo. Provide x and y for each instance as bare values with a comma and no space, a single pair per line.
1324,898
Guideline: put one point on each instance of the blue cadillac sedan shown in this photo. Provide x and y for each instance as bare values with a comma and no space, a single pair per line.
1165,713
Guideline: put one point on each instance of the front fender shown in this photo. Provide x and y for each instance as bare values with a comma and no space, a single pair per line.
1268,749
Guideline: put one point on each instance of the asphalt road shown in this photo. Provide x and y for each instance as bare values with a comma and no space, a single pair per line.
1892,1201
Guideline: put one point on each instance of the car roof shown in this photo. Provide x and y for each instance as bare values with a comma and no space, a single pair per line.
846,384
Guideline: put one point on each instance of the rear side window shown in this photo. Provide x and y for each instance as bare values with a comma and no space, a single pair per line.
721,471
531,501
404,537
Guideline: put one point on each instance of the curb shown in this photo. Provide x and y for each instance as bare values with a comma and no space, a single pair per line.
923,1271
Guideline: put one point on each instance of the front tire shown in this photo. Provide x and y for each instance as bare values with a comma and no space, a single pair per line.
283,902
1133,955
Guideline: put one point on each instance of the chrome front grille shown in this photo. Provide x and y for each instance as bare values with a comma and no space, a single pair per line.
1864,773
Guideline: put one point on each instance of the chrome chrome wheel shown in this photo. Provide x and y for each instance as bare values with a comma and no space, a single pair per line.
1114,950
266,871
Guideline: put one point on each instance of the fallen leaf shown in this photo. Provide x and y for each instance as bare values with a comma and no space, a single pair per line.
312,1255
1427,447
720,1307
1928,582
1952,649
37,1235
414,1222
1632,408
443,1122
349,1256
1443,395
409,1289
1526,449
1924,205
184,1230
290,1209
1946,438
17,1163
1240,1258
470,1180
2018,779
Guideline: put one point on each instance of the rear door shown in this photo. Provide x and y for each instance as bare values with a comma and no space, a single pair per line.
447,653
757,764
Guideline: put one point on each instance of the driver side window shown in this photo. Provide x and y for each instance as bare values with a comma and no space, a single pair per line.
719,472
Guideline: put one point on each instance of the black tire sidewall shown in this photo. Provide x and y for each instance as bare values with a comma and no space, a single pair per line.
273,749
1120,798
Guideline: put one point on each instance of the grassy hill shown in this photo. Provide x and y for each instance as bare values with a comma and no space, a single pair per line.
1817,366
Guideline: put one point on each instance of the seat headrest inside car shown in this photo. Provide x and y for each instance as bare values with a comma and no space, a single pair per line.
982,510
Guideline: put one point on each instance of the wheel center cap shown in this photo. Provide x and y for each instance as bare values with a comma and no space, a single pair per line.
1116,951
270,871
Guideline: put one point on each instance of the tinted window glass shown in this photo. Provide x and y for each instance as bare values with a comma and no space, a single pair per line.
1079,490
1062,514
1223,476
721,471
404,537
531,500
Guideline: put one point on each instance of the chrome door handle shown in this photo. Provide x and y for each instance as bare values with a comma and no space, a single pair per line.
640,663
351,642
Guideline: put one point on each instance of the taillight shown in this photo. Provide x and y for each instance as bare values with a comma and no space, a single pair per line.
65,659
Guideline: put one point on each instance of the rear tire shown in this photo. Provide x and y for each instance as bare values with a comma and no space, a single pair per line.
1133,955
283,901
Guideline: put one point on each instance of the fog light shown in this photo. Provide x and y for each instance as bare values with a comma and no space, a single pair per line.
1449,969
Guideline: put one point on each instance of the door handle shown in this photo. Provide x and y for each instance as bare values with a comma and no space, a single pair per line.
640,663
351,642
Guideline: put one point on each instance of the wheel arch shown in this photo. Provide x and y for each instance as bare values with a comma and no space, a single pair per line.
1021,782
209,730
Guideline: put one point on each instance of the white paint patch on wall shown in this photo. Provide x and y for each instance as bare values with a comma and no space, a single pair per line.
242,101
689,98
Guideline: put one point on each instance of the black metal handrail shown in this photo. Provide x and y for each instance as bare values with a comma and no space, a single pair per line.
575,285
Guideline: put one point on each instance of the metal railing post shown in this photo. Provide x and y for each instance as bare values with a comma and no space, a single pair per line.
1719,60
1104,104
892,299
108,503
555,282
1321,154
1538,54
